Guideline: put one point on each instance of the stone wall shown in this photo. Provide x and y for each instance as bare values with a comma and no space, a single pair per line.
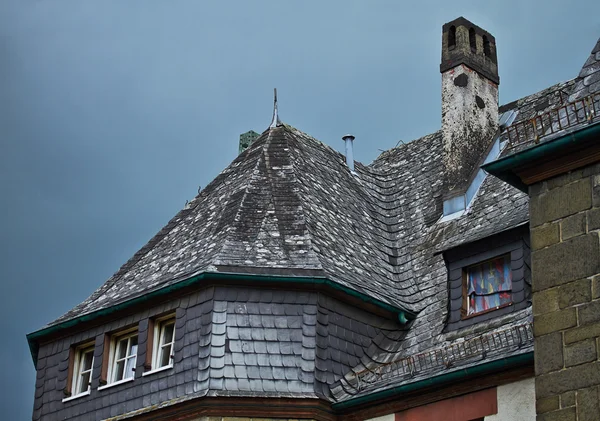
565,228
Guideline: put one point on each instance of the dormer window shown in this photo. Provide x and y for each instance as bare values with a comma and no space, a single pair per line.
488,278
488,286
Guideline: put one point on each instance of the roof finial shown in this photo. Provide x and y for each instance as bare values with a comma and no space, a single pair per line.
275,122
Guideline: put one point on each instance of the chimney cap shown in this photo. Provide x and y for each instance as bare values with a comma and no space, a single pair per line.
348,137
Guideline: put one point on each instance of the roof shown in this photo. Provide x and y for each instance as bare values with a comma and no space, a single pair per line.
289,206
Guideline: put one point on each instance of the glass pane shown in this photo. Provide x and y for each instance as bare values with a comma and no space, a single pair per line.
165,356
479,303
88,358
129,368
133,342
168,333
121,349
84,382
119,371
490,277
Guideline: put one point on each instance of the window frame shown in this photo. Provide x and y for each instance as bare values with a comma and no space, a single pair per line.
75,371
464,312
155,343
112,342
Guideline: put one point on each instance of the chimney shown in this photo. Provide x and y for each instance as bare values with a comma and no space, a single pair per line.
246,139
469,100
348,139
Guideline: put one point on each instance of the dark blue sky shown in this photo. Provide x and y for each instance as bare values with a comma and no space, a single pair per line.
112,113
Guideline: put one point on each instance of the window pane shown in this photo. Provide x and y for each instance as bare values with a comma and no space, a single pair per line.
121,349
133,341
119,370
84,382
168,333
489,285
165,355
88,357
129,368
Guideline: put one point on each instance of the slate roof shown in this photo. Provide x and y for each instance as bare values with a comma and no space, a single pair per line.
288,205
571,106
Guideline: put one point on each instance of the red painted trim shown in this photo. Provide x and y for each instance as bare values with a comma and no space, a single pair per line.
462,408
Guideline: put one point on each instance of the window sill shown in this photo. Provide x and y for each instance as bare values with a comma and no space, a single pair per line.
485,311
79,395
106,386
158,370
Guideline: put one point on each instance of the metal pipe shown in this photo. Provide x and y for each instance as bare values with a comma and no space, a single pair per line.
348,139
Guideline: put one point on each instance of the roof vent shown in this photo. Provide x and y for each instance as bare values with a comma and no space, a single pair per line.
348,139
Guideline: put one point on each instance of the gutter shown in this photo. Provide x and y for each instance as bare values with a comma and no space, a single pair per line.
503,167
498,365
403,315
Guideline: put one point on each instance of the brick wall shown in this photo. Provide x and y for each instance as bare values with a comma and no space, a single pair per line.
565,228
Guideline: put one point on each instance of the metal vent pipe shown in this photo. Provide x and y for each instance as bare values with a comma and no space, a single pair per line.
348,139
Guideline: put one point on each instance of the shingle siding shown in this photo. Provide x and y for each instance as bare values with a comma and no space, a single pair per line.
229,341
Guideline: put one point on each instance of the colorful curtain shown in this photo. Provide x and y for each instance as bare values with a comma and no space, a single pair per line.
490,285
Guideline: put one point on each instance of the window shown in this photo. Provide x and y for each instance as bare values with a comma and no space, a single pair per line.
79,378
476,296
452,37
472,41
159,351
486,46
123,356
488,286
164,345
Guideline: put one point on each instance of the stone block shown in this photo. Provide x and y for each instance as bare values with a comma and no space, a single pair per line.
596,287
589,313
596,190
577,377
567,399
573,226
560,202
580,353
588,404
581,333
554,322
593,219
561,263
548,353
575,293
567,414
545,301
550,403
545,235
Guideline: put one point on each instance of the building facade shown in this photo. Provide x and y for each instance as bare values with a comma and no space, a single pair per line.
300,284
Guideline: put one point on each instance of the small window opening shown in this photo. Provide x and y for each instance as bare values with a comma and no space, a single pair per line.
452,37
472,41
487,286
486,46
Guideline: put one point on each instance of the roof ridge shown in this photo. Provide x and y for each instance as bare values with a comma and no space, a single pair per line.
256,144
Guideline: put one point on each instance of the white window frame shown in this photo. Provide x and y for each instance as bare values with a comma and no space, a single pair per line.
113,361
79,371
160,343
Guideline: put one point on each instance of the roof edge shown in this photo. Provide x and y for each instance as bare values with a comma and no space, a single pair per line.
503,168
492,366
33,338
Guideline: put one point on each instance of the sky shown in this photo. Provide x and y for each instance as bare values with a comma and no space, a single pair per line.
113,113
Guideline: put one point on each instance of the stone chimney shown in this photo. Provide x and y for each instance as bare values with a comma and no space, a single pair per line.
469,100
246,139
